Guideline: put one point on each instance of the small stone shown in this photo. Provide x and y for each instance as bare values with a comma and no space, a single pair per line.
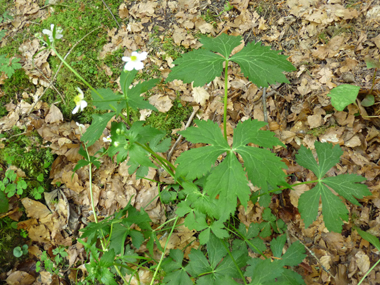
348,77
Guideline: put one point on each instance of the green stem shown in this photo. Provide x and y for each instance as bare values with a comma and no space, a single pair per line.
369,272
225,99
165,163
234,261
126,100
163,253
246,240
85,82
102,240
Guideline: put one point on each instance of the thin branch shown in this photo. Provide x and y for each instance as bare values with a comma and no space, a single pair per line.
111,13
312,253
195,110
59,68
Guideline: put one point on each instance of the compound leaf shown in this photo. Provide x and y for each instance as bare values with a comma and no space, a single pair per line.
333,209
262,65
175,273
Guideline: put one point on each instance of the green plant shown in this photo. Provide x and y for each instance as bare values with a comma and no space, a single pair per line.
60,255
11,185
4,18
23,233
20,251
35,163
9,65
210,17
347,94
209,190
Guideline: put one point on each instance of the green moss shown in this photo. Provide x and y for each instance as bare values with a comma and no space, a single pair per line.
26,153
320,131
170,120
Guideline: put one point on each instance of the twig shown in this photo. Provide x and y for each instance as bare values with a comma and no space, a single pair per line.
312,253
59,68
111,13
264,98
195,110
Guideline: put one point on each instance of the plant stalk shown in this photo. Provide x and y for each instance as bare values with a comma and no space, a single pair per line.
225,99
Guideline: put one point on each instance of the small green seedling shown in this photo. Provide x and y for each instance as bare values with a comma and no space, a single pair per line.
346,94
20,251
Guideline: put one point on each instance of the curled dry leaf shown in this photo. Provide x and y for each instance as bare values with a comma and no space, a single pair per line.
200,95
162,103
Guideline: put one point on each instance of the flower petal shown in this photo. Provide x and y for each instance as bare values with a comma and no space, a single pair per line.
138,65
129,66
126,59
75,110
83,104
142,56
79,90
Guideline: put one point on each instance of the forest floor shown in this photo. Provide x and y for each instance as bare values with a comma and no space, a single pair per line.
327,41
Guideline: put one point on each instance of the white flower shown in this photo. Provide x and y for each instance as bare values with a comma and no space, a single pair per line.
107,139
49,33
79,101
81,127
135,61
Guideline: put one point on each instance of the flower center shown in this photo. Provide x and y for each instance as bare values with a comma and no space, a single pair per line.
133,58
77,99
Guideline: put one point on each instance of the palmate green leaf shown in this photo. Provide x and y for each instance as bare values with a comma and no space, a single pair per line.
228,179
9,66
333,209
200,66
262,65
175,273
94,132
219,268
